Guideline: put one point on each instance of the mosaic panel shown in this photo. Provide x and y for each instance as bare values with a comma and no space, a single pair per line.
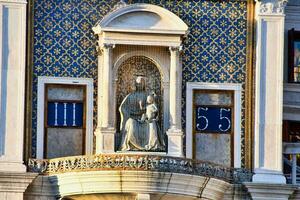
214,50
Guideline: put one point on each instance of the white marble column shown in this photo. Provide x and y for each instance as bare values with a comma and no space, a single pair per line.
105,132
175,135
12,84
13,177
269,88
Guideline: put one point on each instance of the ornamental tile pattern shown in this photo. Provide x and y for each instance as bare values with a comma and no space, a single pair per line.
214,50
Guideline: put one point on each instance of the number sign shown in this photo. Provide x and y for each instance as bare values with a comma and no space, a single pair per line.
212,119
68,114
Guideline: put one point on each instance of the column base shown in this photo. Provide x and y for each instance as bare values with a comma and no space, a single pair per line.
263,191
105,140
175,142
13,185
268,176
12,166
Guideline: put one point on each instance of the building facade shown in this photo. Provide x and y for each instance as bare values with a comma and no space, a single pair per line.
153,99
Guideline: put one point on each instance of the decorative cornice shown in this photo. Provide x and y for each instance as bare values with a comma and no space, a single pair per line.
271,7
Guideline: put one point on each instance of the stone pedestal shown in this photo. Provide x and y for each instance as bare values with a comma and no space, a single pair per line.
269,88
261,191
268,176
175,142
105,139
13,185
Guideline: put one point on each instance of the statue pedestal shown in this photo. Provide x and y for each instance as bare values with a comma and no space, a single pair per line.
105,140
175,142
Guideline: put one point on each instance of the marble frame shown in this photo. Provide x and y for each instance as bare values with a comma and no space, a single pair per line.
168,32
88,82
237,89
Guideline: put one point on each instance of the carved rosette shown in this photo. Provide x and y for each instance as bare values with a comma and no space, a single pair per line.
271,7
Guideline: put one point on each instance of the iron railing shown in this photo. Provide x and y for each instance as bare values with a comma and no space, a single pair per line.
140,163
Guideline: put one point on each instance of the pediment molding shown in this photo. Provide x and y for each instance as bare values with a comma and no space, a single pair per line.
142,18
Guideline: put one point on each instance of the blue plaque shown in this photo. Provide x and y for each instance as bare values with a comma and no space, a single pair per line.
65,114
212,119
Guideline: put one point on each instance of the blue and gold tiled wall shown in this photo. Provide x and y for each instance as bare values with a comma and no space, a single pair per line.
214,50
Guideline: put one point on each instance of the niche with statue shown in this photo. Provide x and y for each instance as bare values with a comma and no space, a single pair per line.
139,106
139,80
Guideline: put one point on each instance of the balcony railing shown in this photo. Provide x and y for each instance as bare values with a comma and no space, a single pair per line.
140,163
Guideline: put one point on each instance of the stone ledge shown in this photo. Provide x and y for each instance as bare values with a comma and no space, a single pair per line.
263,191
15,182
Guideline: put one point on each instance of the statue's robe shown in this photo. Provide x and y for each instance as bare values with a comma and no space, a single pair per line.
134,132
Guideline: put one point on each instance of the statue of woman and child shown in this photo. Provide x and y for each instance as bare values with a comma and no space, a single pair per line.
139,120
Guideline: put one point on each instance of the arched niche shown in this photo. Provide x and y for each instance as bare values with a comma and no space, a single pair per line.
155,29
160,57
125,77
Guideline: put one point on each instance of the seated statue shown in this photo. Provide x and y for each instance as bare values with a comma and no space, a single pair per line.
139,128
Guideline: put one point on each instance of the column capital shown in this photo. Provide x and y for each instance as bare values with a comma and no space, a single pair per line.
175,48
101,48
271,7
108,46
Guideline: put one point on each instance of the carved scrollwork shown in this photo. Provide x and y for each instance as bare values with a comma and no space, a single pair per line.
139,163
272,6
